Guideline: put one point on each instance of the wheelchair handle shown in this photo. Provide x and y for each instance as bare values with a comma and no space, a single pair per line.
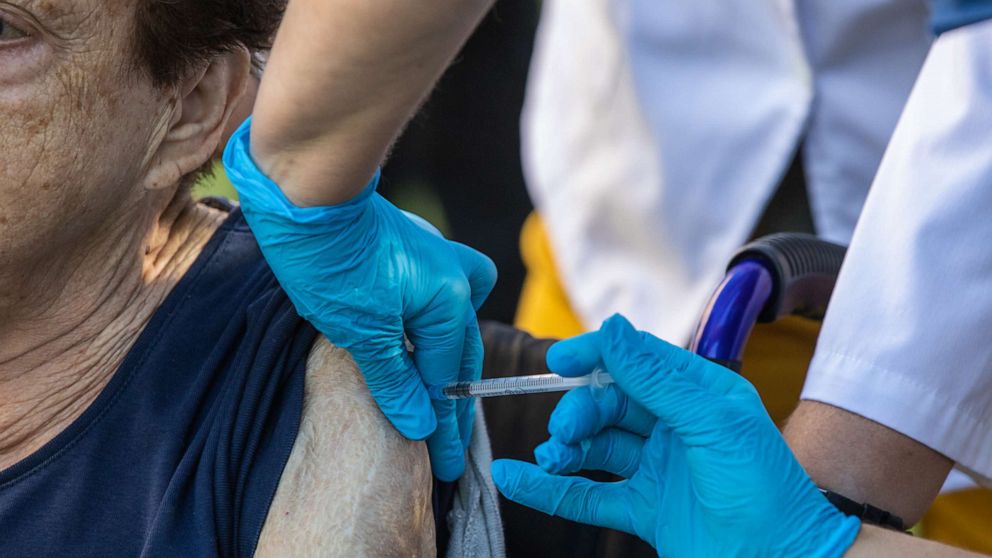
804,271
778,275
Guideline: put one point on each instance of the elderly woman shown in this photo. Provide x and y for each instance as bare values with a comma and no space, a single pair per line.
159,396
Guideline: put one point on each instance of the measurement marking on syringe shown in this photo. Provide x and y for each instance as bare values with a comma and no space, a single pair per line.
518,385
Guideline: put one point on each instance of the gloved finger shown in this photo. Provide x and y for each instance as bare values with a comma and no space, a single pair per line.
580,355
441,354
664,381
573,498
439,342
642,349
471,370
479,270
438,332
577,356
614,451
396,387
585,411
445,447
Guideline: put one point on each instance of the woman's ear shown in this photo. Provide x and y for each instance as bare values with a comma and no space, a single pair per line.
203,105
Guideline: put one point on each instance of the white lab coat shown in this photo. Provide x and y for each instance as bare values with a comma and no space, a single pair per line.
655,132
907,340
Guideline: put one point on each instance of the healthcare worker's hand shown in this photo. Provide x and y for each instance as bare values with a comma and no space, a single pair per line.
707,472
365,273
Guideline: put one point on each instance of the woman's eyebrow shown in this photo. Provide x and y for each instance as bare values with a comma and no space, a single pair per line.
44,8
57,18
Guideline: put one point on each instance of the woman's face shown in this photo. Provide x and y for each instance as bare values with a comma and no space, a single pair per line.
77,125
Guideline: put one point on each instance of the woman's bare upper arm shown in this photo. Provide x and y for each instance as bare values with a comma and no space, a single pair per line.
353,486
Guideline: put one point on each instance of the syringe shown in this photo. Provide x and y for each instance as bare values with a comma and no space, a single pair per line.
517,385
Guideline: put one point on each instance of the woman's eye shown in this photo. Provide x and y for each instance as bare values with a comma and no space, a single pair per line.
10,33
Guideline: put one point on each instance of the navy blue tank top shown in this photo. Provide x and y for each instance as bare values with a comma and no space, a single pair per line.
181,453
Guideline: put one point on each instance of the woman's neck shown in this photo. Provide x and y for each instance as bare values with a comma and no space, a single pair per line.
57,355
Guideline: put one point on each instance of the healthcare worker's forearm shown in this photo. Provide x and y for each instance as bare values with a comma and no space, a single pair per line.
904,342
873,542
865,461
343,78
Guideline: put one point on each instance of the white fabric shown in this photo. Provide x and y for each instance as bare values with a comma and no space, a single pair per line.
957,481
655,132
907,341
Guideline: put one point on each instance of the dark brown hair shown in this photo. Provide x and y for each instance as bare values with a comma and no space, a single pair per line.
174,36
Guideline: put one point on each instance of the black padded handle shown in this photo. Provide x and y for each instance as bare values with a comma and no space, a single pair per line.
512,352
804,270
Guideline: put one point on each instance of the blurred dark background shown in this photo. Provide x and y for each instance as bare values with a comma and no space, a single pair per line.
458,163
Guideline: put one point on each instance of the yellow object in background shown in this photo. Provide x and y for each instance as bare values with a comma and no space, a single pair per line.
544,309
775,361
775,358
962,518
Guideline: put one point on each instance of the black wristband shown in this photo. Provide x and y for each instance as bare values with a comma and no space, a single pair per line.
866,512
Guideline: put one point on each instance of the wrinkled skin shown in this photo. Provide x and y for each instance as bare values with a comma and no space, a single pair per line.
95,229
353,486
92,233
75,135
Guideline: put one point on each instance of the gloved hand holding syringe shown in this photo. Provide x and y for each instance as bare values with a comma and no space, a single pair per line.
517,385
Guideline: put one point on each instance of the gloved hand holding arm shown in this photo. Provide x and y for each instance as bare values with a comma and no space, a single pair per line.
343,78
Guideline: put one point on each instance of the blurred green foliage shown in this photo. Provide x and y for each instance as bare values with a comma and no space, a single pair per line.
215,184
414,196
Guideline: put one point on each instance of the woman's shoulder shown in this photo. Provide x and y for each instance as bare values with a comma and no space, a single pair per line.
353,485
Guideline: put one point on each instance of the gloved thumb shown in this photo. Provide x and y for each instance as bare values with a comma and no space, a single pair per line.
670,382
479,270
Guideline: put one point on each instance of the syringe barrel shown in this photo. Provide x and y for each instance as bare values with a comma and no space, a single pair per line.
517,385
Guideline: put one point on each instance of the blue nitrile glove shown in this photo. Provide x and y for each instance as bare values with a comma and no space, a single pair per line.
708,474
364,274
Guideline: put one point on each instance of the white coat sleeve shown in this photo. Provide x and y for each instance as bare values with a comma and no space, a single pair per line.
907,341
